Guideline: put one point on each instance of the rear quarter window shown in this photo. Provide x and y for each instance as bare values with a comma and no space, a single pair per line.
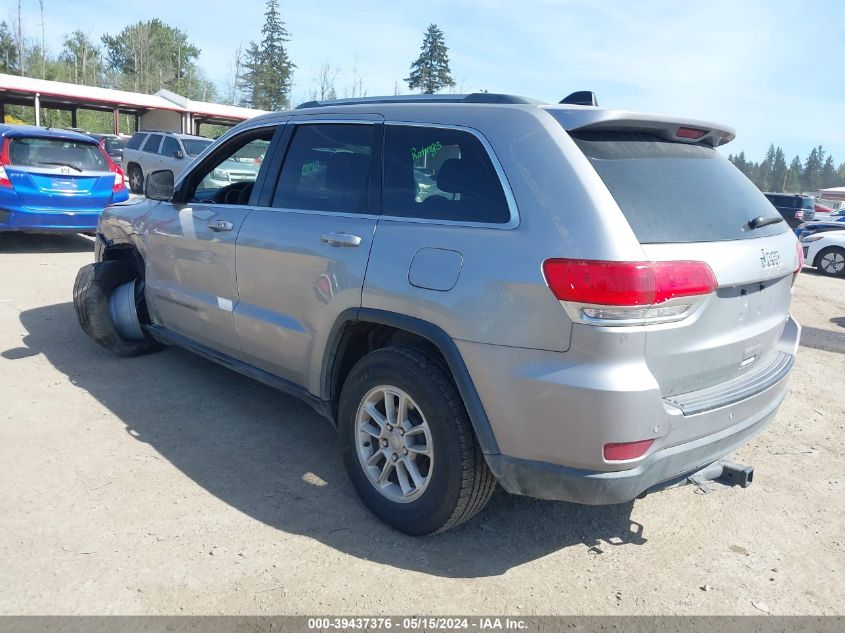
135,141
676,192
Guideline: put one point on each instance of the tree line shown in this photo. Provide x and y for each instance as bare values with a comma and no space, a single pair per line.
817,171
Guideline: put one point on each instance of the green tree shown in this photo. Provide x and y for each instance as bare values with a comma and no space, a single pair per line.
148,56
431,72
81,59
793,175
811,179
765,169
829,177
8,50
267,77
777,180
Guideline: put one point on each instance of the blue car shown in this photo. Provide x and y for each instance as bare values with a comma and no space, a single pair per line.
810,228
54,180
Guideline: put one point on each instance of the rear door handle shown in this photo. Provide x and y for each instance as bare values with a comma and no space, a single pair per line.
340,239
220,225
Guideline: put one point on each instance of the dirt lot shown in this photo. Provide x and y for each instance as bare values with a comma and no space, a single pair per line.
166,484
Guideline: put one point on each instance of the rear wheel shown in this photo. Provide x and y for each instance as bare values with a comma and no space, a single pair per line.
109,302
831,261
408,444
136,179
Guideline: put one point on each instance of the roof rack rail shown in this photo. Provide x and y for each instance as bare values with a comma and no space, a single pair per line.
475,97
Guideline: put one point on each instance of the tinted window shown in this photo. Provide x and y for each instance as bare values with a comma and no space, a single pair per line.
54,153
194,146
152,143
441,174
808,203
676,192
135,141
170,147
327,168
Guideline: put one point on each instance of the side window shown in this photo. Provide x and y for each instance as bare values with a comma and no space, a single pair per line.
231,171
327,168
169,147
135,141
440,174
152,143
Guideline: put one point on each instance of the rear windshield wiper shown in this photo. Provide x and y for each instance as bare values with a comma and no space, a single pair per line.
62,165
761,221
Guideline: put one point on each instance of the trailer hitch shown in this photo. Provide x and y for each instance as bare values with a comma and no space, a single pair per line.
724,472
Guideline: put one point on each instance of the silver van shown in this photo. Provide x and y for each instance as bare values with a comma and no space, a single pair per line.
577,303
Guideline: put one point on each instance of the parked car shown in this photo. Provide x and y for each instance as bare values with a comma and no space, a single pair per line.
54,180
795,208
810,228
552,314
826,251
155,149
112,143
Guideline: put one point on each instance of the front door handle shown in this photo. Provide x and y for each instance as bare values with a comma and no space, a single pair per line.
220,225
340,239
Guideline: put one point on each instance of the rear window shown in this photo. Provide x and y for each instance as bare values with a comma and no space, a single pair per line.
808,203
113,144
194,146
53,153
676,192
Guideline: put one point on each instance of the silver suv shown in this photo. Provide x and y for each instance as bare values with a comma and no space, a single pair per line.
579,303
150,150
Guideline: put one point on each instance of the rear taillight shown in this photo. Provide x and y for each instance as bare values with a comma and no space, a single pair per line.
799,249
4,162
622,451
799,215
627,293
119,180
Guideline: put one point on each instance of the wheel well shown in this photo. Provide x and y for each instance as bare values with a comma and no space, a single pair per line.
358,339
817,259
125,253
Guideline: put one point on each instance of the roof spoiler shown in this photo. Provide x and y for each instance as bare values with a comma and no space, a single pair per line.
670,128
581,97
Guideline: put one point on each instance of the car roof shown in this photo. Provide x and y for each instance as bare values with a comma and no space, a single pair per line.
32,131
466,109
176,134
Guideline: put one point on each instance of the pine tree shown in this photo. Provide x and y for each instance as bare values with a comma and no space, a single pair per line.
793,175
811,179
764,171
431,72
778,177
267,67
829,177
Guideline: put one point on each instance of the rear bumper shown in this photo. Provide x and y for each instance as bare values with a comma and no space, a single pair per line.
58,221
551,481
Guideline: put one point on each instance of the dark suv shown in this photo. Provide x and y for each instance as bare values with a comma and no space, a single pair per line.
795,208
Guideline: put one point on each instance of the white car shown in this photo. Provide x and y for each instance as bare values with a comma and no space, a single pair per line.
826,251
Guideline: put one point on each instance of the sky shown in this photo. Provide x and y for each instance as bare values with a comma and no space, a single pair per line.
767,68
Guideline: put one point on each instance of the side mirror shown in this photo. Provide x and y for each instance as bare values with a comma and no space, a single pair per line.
178,154
159,185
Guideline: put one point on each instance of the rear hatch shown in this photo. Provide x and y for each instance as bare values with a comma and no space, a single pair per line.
56,174
686,202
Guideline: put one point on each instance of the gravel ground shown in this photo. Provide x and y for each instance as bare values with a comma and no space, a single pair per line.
168,485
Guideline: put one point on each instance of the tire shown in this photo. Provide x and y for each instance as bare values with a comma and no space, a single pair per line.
830,261
136,179
91,291
457,482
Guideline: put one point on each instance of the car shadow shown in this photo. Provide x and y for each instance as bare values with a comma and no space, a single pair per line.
18,243
274,459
